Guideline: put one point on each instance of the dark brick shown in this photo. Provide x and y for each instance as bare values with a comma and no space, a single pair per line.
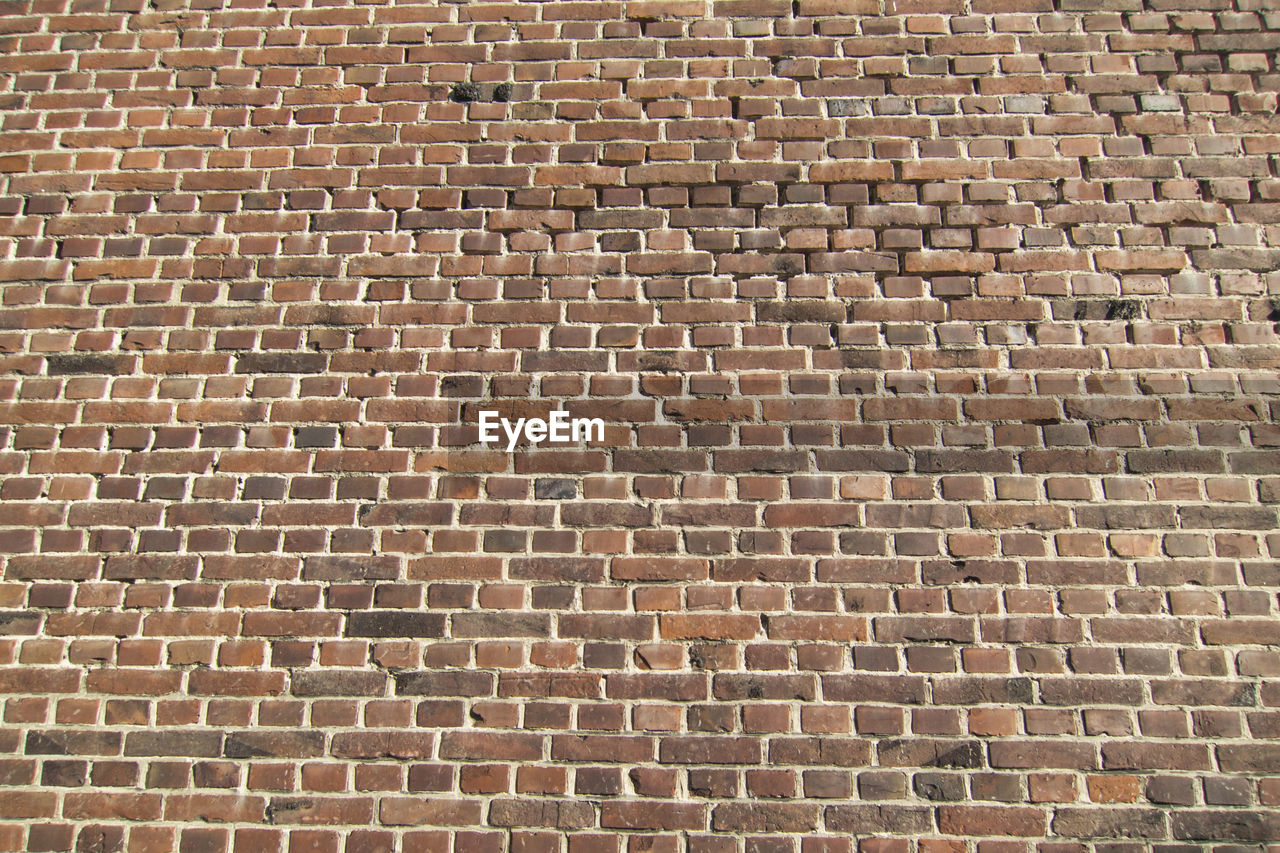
395,623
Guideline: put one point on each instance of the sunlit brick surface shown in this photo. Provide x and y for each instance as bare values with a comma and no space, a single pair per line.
935,342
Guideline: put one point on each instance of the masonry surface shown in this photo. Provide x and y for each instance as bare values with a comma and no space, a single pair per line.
936,346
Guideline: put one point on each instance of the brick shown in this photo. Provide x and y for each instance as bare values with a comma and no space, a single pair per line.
992,820
765,817
653,815
824,751
1223,825
1259,758
1110,823
557,814
692,749
491,745
871,819
1183,756
281,744
1043,754
406,811
448,683
708,627
679,687
602,748
168,743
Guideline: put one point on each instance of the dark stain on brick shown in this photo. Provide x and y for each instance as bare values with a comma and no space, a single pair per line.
343,567
548,489
281,808
18,622
452,683
338,682
64,774
282,362
467,385
1246,696
967,755
464,93
273,744
395,623
948,787
71,365
1123,309
71,742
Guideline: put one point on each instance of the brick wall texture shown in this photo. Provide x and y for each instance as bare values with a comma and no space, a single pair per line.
936,346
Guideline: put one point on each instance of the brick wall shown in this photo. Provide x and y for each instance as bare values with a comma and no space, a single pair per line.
937,504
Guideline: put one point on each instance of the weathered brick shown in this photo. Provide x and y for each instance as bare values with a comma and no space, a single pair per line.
765,817
653,815
383,744
395,624
491,745
992,820
1224,825
693,749
558,814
